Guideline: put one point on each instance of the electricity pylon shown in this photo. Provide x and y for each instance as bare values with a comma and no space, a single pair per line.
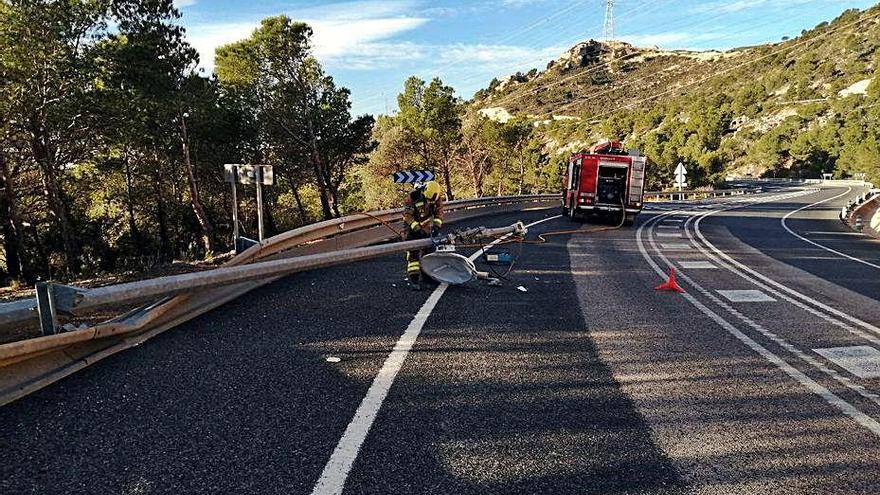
608,31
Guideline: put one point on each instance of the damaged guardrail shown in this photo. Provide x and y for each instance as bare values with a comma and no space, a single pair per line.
863,214
54,299
72,300
28,365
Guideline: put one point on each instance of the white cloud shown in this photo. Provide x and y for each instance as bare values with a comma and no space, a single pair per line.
374,56
338,39
354,33
184,3
357,10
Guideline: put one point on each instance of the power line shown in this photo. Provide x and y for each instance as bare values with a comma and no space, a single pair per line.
639,9
574,28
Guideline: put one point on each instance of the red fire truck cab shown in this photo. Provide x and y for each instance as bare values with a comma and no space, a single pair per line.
605,180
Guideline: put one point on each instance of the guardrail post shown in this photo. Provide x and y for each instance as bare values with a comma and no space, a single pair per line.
53,299
46,309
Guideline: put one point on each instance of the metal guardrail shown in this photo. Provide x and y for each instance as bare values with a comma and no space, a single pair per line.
857,202
694,194
66,299
31,364
859,214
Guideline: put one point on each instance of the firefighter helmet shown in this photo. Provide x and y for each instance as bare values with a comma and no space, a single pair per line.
433,190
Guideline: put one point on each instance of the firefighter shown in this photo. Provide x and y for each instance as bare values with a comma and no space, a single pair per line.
422,217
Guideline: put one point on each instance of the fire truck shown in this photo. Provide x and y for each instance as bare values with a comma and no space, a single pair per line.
606,180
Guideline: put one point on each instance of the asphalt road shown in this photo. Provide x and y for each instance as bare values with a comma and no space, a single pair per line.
588,381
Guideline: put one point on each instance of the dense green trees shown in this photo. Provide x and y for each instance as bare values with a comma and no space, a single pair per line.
112,142
429,120
303,119
472,155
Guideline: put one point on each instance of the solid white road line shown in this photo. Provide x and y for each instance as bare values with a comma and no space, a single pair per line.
332,480
757,278
802,355
807,382
822,246
852,234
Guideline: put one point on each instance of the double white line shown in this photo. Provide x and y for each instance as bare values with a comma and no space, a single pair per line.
786,293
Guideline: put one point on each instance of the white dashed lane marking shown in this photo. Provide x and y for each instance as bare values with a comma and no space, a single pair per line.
853,234
741,296
862,361
676,246
828,396
697,265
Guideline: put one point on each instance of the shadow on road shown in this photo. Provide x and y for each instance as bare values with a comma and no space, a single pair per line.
505,393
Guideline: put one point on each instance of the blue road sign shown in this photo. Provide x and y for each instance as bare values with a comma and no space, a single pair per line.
413,176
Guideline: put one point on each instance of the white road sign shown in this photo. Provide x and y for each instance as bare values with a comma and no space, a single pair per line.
681,176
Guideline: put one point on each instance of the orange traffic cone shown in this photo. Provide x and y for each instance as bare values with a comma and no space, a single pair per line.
671,284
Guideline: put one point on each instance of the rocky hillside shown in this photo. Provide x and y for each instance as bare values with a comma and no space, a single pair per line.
797,107
584,79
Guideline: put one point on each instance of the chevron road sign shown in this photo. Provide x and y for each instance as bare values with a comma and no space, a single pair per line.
413,176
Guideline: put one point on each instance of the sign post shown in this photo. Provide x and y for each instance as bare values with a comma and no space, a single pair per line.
681,178
260,233
259,175
235,233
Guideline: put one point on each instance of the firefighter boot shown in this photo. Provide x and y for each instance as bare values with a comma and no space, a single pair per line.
414,270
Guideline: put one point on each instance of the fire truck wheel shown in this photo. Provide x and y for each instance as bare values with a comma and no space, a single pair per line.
629,220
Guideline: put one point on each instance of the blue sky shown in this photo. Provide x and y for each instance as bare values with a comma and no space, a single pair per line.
372,46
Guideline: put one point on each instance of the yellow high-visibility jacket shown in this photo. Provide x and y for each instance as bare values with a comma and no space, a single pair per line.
421,213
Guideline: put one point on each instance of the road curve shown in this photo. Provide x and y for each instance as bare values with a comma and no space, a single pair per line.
589,381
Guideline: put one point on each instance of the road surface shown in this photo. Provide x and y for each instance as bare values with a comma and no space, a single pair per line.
759,379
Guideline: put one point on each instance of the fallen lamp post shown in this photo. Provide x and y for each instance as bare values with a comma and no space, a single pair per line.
55,299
